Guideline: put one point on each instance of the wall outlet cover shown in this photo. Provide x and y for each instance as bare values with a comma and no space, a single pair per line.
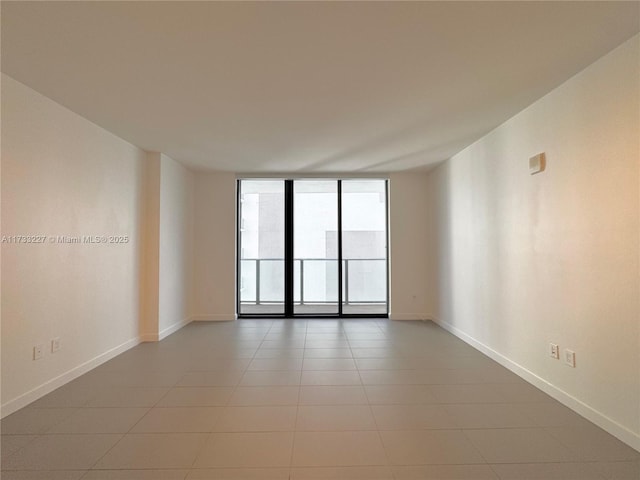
38,352
570,358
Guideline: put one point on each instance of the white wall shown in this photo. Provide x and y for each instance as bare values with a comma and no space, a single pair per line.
527,260
150,287
176,245
214,246
409,229
63,175
214,279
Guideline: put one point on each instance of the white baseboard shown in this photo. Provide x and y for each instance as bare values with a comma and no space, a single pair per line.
50,385
619,431
156,337
408,316
214,317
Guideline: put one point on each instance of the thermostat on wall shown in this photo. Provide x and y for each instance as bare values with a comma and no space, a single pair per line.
537,163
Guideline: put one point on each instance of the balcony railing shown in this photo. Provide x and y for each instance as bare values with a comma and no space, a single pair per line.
364,281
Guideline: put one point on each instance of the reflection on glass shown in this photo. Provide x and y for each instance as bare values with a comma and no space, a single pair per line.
261,234
364,247
315,246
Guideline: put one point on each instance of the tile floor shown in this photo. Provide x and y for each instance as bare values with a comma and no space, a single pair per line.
306,399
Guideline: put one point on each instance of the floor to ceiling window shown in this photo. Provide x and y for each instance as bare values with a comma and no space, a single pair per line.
312,247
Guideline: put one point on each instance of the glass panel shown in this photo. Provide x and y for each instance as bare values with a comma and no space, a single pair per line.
364,247
315,246
261,233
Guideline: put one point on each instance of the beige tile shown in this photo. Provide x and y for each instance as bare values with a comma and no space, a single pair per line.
279,335
620,470
445,472
34,420
332,395
325,335
328,353
153,451
376,352
421,386
238,352
257,419
330,378
392,377
341,473
369,343
228,450
338,418
128,397
324,326
73,394
100,420
365,335
242,348
397,363
458,361
196,397
547,471
552,414
295,343
289,327
205,362
409,417
497,374
210,379
424,447
137,378
269,395
178,419
10,444
519,445
399,394
323,340
593,443
275,364
326,343
44,475
469,393
337,449
61,452
135,475
280,353
521,392
448,376
365,329
488,415
329,364
270,378
239,474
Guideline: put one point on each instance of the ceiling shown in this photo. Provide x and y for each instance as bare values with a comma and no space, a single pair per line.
305,86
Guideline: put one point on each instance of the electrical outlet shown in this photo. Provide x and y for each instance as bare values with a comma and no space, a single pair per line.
554,351
55,344
570,358
38,352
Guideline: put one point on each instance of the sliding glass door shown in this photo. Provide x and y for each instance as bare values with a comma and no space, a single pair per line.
364,247
261,247
312,247
315,246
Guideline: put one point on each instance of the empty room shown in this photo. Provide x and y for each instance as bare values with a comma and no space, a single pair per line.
320,240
